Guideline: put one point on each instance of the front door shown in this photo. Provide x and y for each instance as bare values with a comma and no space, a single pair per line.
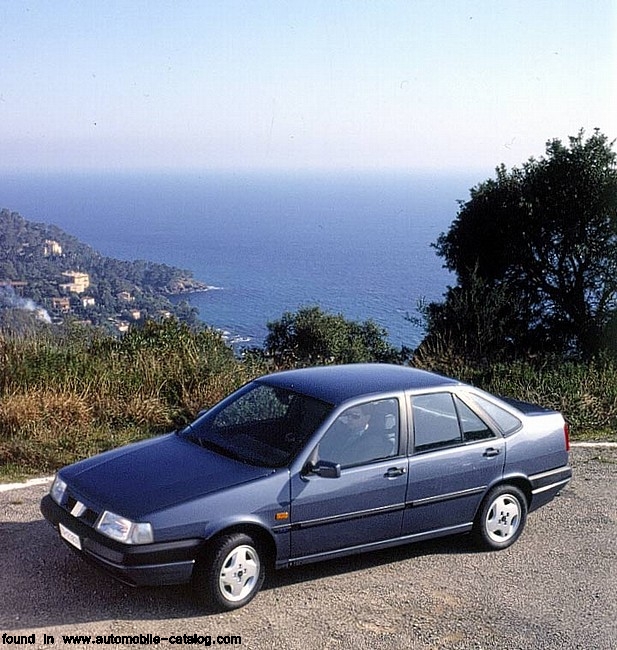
365,503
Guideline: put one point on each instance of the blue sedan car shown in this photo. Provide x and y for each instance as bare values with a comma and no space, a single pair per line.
308,465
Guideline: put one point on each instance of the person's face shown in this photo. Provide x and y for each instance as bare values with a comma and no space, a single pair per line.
355,419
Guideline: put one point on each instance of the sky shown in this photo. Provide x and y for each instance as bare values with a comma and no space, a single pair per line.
438,85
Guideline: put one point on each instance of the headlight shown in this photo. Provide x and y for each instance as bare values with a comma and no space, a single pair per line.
124,530
57,490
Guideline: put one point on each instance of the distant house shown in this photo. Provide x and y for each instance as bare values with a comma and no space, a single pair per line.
17,287
135,314
126,296
51,248
61,305
79,281
88,301
121,326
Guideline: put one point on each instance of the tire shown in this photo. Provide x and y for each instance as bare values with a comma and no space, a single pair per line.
501,518
230,574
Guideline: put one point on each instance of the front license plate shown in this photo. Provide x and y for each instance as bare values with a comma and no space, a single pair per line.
70,536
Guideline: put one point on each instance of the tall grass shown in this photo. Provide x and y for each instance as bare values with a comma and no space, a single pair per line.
66,397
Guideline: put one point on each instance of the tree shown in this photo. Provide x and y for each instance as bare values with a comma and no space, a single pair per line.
546,236
476,324
311,336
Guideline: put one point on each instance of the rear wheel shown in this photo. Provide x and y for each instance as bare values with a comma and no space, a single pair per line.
230,574
501,517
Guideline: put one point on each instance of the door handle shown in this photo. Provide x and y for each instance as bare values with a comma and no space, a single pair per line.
490,452
393,472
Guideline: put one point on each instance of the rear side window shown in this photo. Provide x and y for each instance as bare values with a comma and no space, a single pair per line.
473,427
507,422
435,422
443,420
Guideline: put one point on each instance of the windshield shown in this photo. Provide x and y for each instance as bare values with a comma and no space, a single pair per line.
261,425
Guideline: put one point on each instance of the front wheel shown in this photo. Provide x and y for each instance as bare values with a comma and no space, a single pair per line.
230,574
501,517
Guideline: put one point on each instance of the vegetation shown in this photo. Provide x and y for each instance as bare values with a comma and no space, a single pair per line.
312,337
584,391
66,395
535,255
34,257
534,312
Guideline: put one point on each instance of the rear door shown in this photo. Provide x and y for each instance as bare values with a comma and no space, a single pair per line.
454,457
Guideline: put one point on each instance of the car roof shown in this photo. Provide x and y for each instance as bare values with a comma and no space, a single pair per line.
337,384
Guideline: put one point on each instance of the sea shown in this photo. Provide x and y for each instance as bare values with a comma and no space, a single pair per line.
353,243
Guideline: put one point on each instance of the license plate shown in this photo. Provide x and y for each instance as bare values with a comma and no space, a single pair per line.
70,536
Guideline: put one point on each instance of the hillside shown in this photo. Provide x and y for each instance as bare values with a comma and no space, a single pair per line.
52,274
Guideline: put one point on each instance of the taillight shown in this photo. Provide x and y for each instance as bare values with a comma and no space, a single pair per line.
566,435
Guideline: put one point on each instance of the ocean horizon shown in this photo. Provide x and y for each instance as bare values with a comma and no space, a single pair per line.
358,244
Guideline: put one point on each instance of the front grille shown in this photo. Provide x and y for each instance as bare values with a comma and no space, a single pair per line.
88,516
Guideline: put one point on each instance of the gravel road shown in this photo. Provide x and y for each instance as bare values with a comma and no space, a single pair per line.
555,588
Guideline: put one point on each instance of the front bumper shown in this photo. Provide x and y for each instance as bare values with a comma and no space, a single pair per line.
165,563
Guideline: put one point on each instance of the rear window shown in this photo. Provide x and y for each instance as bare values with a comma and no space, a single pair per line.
507,422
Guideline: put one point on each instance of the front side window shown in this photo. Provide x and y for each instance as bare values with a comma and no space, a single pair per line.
362,434
261,425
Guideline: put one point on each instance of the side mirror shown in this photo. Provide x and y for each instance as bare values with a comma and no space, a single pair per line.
325,469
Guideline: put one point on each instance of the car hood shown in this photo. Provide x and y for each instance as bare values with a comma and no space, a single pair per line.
154,474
